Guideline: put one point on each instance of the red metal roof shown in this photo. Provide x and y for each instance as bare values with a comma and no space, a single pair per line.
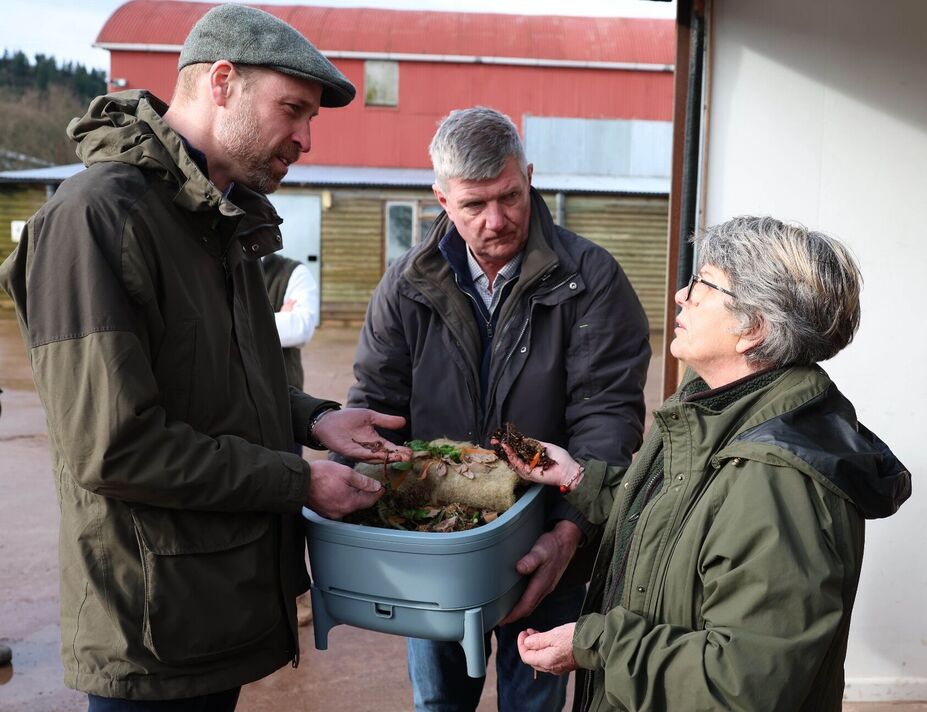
575,39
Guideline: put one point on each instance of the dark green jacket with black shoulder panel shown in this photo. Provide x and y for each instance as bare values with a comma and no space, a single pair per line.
742,571
141,300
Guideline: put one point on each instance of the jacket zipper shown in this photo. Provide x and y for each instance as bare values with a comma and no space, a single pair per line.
230,297
586,700
475,398
623,570
524,329
664,565
607,600
489,329
229,285
474,395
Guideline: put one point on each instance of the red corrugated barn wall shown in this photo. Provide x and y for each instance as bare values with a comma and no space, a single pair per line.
142,34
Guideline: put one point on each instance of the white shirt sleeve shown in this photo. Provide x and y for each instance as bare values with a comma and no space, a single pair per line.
297,326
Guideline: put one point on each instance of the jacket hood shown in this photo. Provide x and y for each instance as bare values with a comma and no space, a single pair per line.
822,437
127,127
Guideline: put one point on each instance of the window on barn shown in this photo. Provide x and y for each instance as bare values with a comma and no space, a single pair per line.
427,212
407,224
400,229
381,83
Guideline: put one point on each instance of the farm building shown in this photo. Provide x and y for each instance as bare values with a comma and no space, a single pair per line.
591,96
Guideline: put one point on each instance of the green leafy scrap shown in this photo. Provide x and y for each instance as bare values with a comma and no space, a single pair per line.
439,451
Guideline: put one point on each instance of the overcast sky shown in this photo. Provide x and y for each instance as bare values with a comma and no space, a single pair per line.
66,29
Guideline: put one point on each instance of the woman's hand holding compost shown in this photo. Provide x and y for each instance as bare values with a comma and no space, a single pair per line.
564,473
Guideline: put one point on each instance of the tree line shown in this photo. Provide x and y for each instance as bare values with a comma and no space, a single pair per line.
21,75
37,100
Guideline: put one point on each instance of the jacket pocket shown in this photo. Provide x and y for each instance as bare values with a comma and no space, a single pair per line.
211,582
587,340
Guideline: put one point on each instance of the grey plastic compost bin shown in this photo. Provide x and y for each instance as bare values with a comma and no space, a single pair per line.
453,586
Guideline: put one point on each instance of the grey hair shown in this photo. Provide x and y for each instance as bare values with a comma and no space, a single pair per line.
803,285
474,144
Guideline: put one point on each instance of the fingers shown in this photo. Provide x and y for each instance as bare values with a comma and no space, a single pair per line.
362,499
549,651
543,578
389,454
520,642
528,563
336,490
363,483
534,640
536,589
551,476
370,447
390,422
520,466
351,432
533,650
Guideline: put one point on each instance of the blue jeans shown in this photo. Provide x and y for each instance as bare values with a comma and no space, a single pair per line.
438,669
216,702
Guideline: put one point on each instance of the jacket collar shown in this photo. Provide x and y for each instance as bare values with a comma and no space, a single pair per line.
128,127
428,277
799,417
543,254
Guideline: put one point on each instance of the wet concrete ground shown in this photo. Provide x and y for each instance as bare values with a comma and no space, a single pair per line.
361,671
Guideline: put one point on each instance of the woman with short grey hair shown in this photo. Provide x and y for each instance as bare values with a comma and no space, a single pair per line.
733,543
803,285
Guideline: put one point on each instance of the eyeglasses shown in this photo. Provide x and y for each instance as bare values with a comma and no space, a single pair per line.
695,278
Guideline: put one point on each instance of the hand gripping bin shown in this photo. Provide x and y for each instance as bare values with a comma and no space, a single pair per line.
453,586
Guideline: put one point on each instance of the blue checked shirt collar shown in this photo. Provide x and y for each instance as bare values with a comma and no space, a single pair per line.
505,275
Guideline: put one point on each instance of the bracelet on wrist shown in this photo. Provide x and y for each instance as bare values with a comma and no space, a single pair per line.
312,441
571,483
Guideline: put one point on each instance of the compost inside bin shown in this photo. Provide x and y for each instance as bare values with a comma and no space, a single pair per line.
447,486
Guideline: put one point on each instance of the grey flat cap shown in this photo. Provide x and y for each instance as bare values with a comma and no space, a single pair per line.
246,35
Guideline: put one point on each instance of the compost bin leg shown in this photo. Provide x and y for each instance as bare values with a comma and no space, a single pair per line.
322,622
473,643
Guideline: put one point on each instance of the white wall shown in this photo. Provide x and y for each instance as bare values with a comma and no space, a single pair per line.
818,113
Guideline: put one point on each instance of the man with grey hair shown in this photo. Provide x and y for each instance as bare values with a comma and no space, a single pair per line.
141,298
501,315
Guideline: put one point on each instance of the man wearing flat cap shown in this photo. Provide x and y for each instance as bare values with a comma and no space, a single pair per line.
141,299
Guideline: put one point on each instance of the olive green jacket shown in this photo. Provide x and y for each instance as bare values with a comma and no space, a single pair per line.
742,570
142,303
